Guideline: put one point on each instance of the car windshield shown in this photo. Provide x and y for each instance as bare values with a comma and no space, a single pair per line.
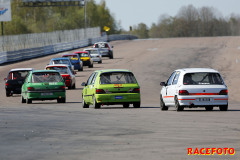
62,61
17,75
83,55
202,79
61,70
41,77
117,78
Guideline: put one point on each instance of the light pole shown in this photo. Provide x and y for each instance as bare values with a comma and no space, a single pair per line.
85,18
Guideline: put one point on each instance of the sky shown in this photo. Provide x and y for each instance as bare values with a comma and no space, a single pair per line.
133,12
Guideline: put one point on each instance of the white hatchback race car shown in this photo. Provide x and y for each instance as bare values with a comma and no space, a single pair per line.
194,87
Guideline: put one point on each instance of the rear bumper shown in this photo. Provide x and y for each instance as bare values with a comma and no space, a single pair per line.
15,90
45,95
96,59
118,98
198,101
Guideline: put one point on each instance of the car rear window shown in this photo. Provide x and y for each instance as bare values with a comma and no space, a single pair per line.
61,70
83,55
17,75
41,77
202,79
62,61
117,78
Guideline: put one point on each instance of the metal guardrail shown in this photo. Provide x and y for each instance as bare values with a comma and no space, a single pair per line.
24,54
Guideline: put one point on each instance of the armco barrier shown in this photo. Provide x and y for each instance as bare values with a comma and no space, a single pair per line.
23,54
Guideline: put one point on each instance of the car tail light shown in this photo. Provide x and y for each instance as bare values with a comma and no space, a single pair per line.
183,92
136,90
100,91
30,88
223,92
6,84
62,87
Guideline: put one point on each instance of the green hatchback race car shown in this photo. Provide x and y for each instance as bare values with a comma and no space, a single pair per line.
110,87
43,85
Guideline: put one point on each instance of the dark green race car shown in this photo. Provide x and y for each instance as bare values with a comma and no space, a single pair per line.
43,85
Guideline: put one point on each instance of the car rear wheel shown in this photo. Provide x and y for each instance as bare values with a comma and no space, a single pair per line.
223,108
178,106
209,108
23,100
136,105
61,100
100,61
8,94
74,86
91,66
162,104
126,105
29,101
84,105
95,104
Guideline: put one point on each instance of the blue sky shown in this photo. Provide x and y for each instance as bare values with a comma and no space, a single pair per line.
133,12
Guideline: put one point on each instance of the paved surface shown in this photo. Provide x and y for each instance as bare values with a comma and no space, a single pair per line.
47,130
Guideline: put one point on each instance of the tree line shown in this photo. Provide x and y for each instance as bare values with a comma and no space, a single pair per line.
191,22
47,19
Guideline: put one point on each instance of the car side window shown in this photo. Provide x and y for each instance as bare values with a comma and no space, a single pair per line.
169,82
90,78
175,80
94,78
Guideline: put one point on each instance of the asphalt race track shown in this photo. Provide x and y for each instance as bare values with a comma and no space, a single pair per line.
46,130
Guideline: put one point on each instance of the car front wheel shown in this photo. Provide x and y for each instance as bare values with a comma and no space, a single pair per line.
162,104
84,105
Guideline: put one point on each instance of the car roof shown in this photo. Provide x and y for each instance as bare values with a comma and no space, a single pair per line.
57,65
81,52
91,49
193,70
69,54
22,69
59,58
37,71
100,42
112,70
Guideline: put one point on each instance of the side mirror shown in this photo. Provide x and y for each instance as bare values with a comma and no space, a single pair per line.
162,84
5,79
84,84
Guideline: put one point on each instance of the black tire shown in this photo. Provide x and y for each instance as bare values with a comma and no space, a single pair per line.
8,94
136,104
178,106
91,66
100,62
162,104
209,108
23,100
223,108
74,86
95,104
126,105
84,105
29,101
111,56
61,100
70,87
